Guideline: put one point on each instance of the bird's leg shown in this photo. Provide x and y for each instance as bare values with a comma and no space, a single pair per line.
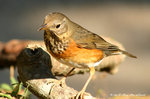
80,94
69,72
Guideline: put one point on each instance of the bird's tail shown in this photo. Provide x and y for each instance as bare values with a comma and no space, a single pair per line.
128,54
119,52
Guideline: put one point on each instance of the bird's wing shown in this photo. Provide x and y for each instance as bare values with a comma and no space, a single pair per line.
90,40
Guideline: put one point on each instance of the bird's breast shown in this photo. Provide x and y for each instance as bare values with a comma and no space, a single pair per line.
53,44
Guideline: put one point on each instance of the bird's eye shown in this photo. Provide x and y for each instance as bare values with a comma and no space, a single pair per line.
57,26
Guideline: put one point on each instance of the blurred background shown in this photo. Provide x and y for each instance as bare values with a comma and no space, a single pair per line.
127,21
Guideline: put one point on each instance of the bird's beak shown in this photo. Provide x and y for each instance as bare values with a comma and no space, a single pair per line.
42,27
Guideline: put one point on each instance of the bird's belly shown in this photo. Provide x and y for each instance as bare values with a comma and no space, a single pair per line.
80,57
73,64
80,65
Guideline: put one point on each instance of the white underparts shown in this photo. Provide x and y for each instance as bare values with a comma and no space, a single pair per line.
95,64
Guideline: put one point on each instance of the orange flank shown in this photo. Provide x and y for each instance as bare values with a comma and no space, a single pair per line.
80,55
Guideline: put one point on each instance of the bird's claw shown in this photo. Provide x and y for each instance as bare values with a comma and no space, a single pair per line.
80,95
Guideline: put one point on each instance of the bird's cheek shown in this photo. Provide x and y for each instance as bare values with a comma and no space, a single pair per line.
65,28
61,31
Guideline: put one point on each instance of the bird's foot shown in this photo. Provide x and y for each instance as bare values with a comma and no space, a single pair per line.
80,95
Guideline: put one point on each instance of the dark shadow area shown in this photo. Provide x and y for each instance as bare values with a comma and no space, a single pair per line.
34,61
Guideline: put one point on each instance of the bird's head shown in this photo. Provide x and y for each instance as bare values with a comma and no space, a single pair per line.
55,22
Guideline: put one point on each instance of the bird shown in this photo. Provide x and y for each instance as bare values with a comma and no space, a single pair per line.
75,46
